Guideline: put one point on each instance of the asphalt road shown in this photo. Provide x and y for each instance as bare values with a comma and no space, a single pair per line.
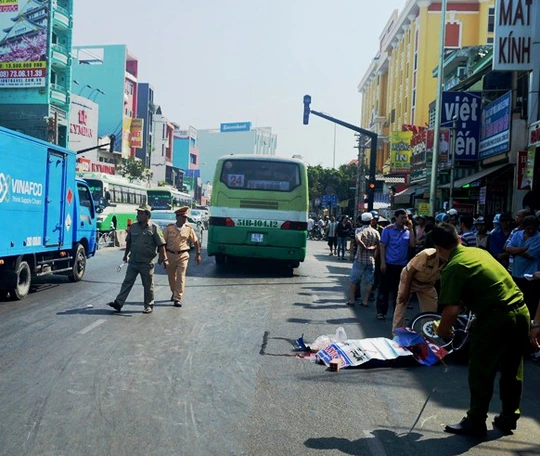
219,376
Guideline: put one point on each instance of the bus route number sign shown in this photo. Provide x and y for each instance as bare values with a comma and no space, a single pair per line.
235,180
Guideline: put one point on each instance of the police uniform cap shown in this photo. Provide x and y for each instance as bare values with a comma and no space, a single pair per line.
480,221
182,211
144,208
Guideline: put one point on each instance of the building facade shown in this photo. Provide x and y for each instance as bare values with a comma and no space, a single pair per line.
109,75
36,68
145,111
399,84
232,138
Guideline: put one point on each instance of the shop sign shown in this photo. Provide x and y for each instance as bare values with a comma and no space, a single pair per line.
512,45
83,165
400,151
465,109
464,208
534,134
523,183
482,195
529,172
424,209
495,131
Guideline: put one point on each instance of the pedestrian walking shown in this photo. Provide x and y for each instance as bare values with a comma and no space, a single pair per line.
178,237
396,240
498,337
143,242
332,235
419,276
367,239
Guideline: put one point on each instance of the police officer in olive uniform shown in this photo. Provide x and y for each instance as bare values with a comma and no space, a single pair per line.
178,237
143,240
499,336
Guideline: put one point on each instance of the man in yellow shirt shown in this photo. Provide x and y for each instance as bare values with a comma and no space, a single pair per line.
178,237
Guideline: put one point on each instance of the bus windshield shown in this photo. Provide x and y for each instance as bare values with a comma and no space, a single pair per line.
260,175
159,199
96,188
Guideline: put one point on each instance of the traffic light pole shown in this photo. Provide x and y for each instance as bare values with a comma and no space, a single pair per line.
373,152
110,145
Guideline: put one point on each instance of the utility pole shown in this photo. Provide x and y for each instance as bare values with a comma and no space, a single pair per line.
438,103
452,162
360,177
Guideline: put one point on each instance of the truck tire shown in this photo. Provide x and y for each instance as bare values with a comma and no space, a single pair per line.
24,279
79,264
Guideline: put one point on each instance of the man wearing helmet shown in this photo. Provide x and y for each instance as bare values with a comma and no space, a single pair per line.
453,217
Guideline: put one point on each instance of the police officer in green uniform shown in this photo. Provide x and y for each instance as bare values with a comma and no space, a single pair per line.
143,240
499,336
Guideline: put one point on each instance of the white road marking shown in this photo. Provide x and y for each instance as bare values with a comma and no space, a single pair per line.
375,446
92,326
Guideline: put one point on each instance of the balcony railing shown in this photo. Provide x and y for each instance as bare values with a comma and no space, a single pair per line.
61,18
59,94
60,55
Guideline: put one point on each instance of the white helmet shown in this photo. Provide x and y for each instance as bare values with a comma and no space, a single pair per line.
452,212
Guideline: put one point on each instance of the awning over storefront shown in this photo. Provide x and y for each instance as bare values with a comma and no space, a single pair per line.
476,176
404,197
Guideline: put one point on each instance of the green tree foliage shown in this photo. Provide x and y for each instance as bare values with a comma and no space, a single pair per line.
133,169
339,181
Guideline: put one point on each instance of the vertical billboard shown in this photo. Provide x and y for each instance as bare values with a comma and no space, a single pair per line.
83,123
464,110
136,133
495,132
400,152
23,43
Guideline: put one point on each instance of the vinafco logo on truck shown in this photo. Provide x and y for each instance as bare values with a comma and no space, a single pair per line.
19,190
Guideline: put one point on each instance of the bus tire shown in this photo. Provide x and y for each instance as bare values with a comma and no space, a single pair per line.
79,264
24,279
220,259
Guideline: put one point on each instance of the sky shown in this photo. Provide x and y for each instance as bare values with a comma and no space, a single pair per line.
216,61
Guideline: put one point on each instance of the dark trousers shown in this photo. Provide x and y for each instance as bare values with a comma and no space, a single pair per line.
498,341
531,293
389,285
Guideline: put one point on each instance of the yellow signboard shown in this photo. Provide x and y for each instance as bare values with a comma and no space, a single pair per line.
400,151
424,209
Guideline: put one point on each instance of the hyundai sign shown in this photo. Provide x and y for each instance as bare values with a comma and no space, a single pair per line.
495,132
236,126
465,109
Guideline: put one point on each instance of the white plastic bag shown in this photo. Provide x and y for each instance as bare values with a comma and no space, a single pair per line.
322,342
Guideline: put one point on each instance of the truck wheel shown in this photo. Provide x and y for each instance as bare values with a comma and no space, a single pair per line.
79,264
24,278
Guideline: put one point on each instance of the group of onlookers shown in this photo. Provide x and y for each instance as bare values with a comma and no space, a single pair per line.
498,279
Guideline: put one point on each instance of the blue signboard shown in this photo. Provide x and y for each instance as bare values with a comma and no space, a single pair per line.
329,200
465,108
495,132
236,126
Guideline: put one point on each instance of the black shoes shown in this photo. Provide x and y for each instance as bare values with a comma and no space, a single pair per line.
504,424
115,306
467,427
177,303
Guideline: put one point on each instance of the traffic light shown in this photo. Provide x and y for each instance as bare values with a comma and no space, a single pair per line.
112,140
307,102
371,186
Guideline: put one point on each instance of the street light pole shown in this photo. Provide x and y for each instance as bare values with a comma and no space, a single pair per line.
438,103
452,162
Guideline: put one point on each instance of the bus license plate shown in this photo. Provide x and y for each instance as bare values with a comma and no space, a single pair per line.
257,237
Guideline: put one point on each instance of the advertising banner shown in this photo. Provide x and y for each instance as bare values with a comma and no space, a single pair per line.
495,131
529,172
137,133
23,43
465,109
523,182
400,151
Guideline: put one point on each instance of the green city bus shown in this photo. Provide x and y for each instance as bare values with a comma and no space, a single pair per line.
259,209
117,197
168,198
